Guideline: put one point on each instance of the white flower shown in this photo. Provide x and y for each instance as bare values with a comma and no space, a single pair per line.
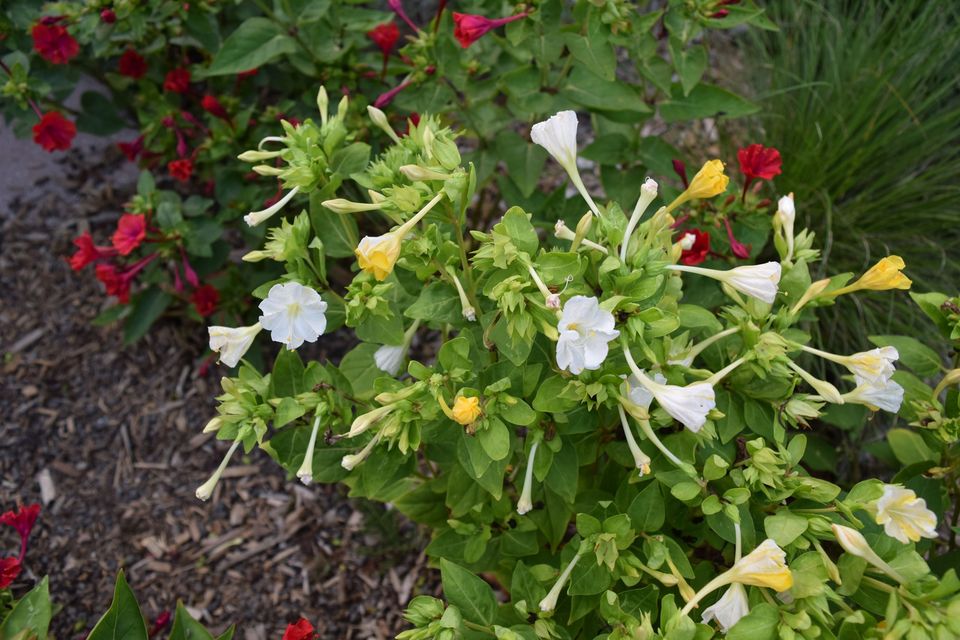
903,515
293,314
638,394
855,544
558,135
256,217
886,395
728,610
232,342
525,504
757,280
389,358
687,241
585,329
689,405
875,365
765,566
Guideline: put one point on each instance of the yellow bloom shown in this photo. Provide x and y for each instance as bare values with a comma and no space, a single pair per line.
466,410
710,181
903,515
882,276
378,254
765,566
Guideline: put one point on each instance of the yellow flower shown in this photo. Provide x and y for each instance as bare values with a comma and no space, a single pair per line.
378,254
882,276
710,181
466,410
765,566
903,515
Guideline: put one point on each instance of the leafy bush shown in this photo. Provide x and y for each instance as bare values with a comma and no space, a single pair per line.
203,80
534,427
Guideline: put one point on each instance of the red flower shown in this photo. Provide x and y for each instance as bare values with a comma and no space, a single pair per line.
181,169
131,149
468,28
132,64
699,248
212,106
397,6
114,281
87,252
205,299
738,249
177,80
9,570
300,630
22,521
680,169
54,43
249,73
387,97
385,36
131,230
108,16
758,161
54,132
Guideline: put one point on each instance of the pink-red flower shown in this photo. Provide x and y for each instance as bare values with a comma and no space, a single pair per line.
181,169
299,630
212,106
680,169
118,282
698,250
738,249
87,252
54,43
108,16
758,161
468,27
22,521
54,132
385,36
205,299
9,570
131,230
132,64
177,80
131,150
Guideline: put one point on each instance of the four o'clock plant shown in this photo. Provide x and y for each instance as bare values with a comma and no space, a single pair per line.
561,407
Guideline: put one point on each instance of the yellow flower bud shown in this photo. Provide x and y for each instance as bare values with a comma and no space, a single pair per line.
466,410
882,276
378,254
710,181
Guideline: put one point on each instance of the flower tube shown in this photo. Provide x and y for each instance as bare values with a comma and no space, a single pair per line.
759,281
558,135
525,504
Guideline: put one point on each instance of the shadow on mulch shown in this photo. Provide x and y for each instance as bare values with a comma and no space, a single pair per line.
113,433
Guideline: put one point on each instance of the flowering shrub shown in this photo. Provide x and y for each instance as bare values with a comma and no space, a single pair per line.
605,436
202,80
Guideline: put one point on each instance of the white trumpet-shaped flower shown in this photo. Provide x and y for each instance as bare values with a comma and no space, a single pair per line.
854,543
728,610
231,343
293,314
785,217
689,405
558,135
305,472
875,365
886,395
389,358
759,280
549,601
585,331
525,504
205,490
903,515
638,394
256,217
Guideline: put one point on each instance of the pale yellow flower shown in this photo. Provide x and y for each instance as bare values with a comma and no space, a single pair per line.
884,275
378,254
765,566
709,181
466,410
903,515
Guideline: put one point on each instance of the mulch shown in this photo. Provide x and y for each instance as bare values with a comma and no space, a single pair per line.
108,438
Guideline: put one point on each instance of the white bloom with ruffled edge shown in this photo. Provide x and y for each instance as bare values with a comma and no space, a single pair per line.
231,343
765,566
875,365
389,358
585,329
757,280
903,515
689,405
728,610
886,395
293,314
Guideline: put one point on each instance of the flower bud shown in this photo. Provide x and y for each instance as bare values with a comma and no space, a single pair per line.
466,410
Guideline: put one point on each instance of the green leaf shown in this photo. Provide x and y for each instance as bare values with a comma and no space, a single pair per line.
350,159
784,527
648,510
690,64
123,620
255,42
438,302
915,355
467,592
495,439
593,51
516,224
186,628
99,115
524,160
592,91
930,304
705,101
147,307
909,447
31,614
760,624
360,369
564,472
287,378
338,230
